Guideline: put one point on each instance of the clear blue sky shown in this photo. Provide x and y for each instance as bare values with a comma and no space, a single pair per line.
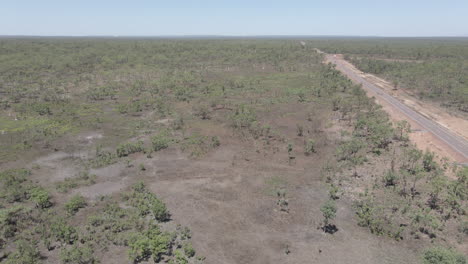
236,17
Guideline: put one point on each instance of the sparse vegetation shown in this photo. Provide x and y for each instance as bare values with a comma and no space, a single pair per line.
82,179
229,113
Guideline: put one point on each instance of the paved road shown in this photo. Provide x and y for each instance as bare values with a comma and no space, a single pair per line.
454,141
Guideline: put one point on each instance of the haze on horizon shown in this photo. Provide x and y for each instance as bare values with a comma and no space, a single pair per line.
239,18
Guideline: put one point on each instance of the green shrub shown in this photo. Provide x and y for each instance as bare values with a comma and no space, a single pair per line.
103,158
148,203
14,186
390,178
41,197
189,250
426,222
61,231
150,243
463,228
74,204
77,255
41,108
299,130
198,145
26,253
309,147
439,255
12,220
428,161
333,192
243,117
178,123
179,257
368,216
215,142
126,149
328,210
160,141
130,107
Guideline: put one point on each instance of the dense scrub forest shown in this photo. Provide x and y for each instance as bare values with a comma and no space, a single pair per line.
219,151
433,69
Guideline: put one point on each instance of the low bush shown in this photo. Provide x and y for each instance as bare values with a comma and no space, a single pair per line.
439,255
328,210
215,142
160,141
243,117
103,158
14,186
152,243
13,220
77,255
309,147
198,145
126,149
40,197
189,250
147,203
179,257
390,178
367,216
61,231
26,253
83,179
74,204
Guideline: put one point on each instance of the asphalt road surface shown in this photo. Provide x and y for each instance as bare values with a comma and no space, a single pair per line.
454,141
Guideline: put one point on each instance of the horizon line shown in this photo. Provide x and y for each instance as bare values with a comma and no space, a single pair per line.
228,36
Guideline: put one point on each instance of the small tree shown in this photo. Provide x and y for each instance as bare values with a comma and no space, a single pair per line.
351,151
403,128
328,210
428,161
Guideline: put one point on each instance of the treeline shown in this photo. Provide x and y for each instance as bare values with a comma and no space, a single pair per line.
444,81
435,69
397,48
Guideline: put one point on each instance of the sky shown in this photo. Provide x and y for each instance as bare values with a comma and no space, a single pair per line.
234,18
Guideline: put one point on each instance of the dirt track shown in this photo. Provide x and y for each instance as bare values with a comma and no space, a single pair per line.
436,136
